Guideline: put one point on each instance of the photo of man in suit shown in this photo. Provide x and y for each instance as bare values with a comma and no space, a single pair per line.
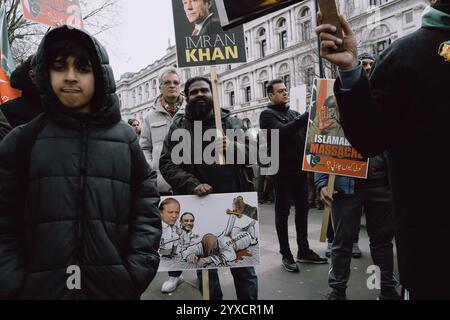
201,14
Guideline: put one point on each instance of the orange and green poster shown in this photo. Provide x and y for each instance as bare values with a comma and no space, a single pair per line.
326,148
7,64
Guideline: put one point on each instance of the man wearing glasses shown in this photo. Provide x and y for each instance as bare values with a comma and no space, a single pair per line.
290,181
155,126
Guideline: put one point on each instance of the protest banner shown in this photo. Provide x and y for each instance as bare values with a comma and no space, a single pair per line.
326,148
7,63
200,39
53,13
219,230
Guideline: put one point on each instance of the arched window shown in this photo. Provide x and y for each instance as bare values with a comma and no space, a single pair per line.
308,71
263,79
154,90
305,24
282,33
147,92
230,92
246,46
262,42
380,39
247,89
139,95
285,74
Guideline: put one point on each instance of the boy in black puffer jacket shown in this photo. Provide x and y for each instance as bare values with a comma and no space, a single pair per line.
81,221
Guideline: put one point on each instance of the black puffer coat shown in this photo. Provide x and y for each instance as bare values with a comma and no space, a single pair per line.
91,201
4,126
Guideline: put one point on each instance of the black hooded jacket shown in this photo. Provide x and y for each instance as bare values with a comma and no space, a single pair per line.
4,126
291,127
25,108
90,201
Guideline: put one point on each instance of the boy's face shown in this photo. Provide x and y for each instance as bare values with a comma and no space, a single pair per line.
74,85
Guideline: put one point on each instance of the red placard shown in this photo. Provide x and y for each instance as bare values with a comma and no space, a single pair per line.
326,149
53,12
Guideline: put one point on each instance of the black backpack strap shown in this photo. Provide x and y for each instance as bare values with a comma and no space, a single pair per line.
25,142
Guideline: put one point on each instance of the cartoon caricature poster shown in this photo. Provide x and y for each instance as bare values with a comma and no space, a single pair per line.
326,148
219,230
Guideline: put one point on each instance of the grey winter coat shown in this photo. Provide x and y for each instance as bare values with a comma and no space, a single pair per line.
155,127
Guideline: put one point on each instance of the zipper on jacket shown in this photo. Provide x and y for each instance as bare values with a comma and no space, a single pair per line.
80,199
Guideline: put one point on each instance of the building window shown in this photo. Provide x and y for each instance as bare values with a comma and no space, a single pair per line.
232,98
264,88
306,30
310,76
139,95
408,17
377,2
282,33
262,42
248,94
154,88
380,46
287,81
147,92
349,6
305,24
246,47
263,48
283,40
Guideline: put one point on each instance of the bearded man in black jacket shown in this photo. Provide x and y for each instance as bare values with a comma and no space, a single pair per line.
204,178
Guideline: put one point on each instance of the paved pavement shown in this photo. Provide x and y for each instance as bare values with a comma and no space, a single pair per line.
274,282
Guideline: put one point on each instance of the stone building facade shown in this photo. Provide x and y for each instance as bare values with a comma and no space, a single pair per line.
280,45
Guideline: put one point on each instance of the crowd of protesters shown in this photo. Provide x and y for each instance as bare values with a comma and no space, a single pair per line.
79,186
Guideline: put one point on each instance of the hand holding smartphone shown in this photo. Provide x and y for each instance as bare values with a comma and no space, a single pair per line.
329,13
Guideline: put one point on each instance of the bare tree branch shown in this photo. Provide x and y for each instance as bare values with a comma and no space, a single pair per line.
24,36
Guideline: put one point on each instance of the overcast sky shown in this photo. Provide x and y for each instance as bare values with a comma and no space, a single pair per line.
142,37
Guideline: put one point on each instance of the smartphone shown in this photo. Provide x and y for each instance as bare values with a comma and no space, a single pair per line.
330,16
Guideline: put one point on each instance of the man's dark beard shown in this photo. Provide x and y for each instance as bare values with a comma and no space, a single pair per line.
199,112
